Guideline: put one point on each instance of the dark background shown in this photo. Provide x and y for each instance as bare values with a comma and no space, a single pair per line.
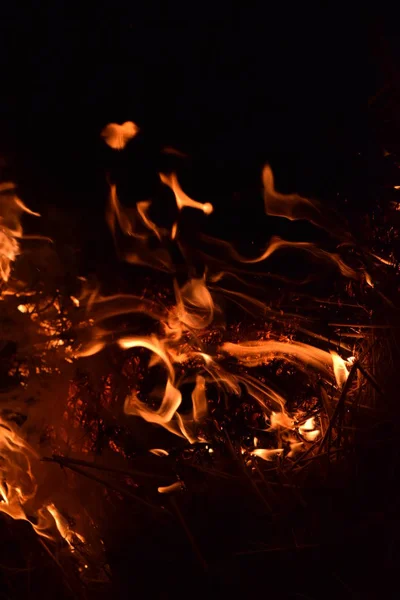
234,87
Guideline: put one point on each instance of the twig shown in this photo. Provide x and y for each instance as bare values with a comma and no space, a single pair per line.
370,378
339,405
74,461
358,326
114,487
59,565
279,549
189,534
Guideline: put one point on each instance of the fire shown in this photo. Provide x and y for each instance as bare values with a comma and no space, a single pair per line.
64,527
11,209
18,488
183,199
267,454
193,360
117,136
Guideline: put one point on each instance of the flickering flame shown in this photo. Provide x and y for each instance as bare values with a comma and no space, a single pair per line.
198,359
267,454
168,489
308,430
64,528
159,452
183,199
340,369
11,209
117,136
295,207
18,488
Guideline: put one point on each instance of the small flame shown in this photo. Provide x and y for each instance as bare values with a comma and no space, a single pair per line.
267,454
339,369
183,199
200,406
159,452
65,530
308,430
11,208
281,420
117,136
168,489
295,207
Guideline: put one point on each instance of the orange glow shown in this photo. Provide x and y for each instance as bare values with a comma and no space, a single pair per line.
200,406
63,526
117,136
308,430
18,486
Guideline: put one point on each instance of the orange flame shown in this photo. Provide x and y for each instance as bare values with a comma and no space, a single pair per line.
18,487
267,454
11,208
117,136
183,199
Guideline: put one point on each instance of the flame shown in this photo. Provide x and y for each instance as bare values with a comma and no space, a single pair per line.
159,452
295,207
64,528
340,369
169,405
18,488
181,198
168,489
117,136
200,406
267,454
308,430
11,208
194,305
281,419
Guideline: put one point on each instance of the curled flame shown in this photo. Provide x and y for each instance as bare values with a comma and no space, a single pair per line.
183,199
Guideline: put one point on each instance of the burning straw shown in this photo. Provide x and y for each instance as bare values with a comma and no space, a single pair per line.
227,381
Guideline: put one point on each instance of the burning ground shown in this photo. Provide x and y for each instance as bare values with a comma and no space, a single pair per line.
215,399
